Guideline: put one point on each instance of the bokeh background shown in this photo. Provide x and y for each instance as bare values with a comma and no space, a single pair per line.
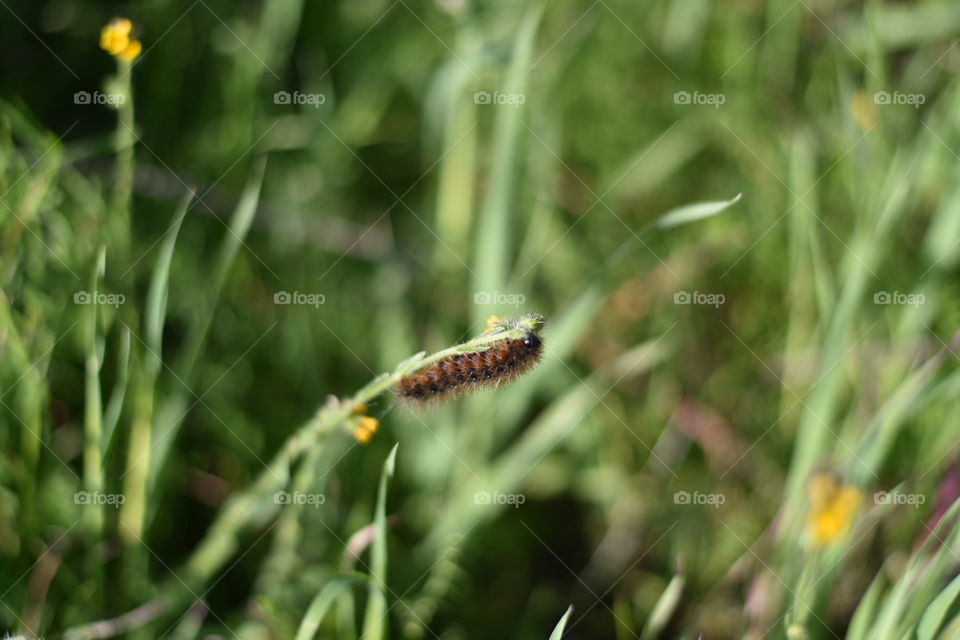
741,425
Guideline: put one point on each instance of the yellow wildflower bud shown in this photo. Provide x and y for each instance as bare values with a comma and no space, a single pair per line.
130,52
366,427
115,36
370,424
832,508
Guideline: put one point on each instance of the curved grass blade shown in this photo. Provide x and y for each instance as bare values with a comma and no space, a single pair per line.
663,610
558,630
693,212
323,601
935,614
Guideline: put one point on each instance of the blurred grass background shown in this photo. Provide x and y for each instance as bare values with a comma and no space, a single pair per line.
416,208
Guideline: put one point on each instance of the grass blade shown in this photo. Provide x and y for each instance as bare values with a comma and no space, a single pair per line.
693,212
92,405
493,237
112,414
374,619
322,602
935,614
558,630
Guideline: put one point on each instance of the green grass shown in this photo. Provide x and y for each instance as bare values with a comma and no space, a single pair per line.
411,206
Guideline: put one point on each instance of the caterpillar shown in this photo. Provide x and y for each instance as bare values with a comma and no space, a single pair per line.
499,362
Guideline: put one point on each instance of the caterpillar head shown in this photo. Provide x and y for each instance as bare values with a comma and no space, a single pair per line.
532,341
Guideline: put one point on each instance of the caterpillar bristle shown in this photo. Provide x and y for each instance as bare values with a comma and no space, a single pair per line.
501,362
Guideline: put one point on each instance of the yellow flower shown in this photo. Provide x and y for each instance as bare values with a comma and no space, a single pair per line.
131,52
115,39
832,508
492,321
366,427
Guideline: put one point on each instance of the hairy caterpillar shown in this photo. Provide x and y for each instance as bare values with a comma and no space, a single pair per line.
498,362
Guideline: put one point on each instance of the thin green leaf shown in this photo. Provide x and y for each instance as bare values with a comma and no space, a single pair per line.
156,306
493,238
324,599
92,407
935,614
663,610
112,415
374,620
558,630
866,611
693,212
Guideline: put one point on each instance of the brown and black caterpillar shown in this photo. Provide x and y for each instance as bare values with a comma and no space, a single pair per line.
500,362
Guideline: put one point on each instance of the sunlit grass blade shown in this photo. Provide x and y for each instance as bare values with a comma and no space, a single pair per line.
665,608
140,459
374,618
693,212
557,632
928,565
866,611
497,216
936,613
